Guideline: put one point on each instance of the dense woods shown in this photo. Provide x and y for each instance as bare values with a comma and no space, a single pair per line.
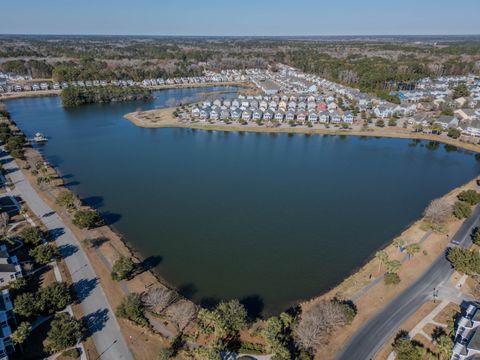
72,97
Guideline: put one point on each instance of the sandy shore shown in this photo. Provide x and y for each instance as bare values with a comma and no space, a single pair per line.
164,118
28,94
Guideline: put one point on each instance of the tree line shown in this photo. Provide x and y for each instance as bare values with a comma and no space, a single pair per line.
72,97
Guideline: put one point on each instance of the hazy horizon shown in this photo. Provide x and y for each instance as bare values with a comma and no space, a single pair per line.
250,18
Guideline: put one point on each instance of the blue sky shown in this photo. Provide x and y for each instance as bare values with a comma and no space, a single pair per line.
246,17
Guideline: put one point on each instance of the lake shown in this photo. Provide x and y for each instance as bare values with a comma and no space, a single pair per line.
267,218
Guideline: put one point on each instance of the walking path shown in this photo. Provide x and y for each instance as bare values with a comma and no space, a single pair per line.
101,320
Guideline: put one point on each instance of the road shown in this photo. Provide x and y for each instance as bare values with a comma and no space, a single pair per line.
371,337
97,312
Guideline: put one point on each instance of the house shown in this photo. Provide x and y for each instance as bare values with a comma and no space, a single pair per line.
465,114
236,114
214,114
292,105
227,103
246,115
383,112
467,335
279,115
195,112
312,116
301,116
224,114
446,121
268,115
6,314
348,117
332,106
263,105
217,102
335,117
235,103
273,105
322,106
204,113
290,116
254,104
473,128
282,105
311,106
324,117
10,269
257,115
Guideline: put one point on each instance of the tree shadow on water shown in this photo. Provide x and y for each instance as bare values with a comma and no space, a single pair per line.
254,305
187,290
93,201
110,218
148,264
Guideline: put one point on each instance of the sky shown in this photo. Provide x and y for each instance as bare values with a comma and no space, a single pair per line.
237,18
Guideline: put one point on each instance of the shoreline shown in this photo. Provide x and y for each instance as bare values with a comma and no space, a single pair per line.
40,93
163,118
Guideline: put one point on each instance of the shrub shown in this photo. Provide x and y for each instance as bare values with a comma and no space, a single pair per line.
65,331
131,308
391,279
31,235
464,260
67,199
380,123
454,133
21,333
461,210
86,219
43,254
469,196
122,268
53,298
24,305
73,353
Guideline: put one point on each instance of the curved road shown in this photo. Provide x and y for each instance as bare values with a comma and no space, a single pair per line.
98,314
371,337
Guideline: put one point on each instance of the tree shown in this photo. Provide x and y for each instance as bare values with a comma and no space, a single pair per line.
391,279
393,266
278,336
412,249
131,308
24,305
464,260
318,323
158,299
21,333
226,320
444,346
53,298
43,254
476,236
182,313
405,349
399,243
382,256
122,268
438,212
461,90
65,331
67,199
380,123
31,235
461,210
471,197
392,122
453,133
86,219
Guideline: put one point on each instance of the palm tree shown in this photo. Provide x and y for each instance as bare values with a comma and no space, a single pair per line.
393,266
382,256
399,243
444,347
412,249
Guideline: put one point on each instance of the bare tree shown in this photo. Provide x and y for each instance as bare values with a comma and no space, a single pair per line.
182,313
158,299
4,220
318,323
438,211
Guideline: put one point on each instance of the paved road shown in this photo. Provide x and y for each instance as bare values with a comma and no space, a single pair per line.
102,323
370,338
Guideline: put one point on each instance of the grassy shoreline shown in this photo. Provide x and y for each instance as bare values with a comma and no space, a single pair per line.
163,118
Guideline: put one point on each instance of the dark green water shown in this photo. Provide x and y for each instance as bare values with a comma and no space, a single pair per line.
267,218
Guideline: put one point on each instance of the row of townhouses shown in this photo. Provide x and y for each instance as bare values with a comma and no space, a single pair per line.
467,335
